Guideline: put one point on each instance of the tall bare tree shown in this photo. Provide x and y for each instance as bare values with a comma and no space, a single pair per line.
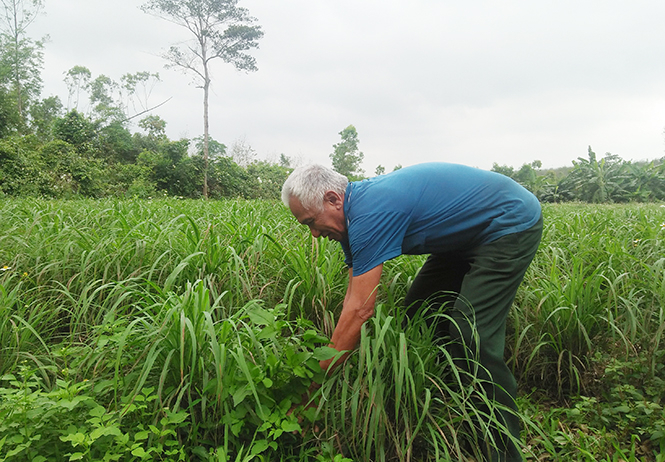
221,29
21,58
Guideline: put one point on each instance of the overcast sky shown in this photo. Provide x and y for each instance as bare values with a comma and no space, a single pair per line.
472,82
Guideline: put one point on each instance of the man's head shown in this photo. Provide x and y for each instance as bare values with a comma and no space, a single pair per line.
315,195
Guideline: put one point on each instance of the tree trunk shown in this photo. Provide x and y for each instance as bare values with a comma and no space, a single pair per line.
17,74
206,87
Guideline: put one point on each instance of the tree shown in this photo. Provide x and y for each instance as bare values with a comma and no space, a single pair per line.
154,126
284,161
115,144
599,181
110,101
21,59
71,172
138,87
21,171
647,181
9,120
221,29
75,129
503,169
227,179
105,105
266,180
380,170
170,169
77,79
215,148
346,158
242,152
43,115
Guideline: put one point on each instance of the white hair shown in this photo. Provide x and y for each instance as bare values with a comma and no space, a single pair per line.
310,183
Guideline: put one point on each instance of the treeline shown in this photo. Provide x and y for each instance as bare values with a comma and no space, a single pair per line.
73,156
59,154
608,180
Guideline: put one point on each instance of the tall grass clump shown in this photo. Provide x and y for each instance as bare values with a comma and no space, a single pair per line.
593,289
401,396
236,371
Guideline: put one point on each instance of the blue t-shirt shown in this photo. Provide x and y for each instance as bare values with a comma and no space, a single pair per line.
431,208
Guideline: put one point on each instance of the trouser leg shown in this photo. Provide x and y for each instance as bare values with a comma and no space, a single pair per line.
438,282
491,275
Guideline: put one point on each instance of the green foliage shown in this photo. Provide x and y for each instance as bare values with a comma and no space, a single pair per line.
607,180
171,169
89,160
598,181
9,117
111,161
75,129
227,28
21,59
237,375
22,171
67,423
102,100
43,115
115,144
626,423
346,158
527,176
227,179
215,148
266,180
154,125
401,397
70,171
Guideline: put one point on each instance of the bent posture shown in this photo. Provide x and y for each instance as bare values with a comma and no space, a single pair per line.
480,229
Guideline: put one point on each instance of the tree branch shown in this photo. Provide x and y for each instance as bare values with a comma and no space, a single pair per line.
147,110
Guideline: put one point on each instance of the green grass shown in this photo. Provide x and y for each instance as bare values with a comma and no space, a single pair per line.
197,326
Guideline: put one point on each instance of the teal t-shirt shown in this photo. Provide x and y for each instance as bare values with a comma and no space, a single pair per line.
431,208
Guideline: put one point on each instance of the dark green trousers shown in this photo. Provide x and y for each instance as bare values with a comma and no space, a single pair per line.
476,288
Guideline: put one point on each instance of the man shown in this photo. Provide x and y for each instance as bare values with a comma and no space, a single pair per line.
481,230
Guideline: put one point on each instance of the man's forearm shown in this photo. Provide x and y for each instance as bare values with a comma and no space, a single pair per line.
347,331
358,308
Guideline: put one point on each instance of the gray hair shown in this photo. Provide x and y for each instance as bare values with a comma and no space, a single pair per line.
310,183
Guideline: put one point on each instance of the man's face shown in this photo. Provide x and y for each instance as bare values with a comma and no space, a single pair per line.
328,223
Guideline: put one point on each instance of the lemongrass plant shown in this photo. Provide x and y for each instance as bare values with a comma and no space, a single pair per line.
136,294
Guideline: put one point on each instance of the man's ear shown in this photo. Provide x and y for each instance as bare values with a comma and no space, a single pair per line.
335,199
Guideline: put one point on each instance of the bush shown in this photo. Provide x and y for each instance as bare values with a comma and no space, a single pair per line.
68,423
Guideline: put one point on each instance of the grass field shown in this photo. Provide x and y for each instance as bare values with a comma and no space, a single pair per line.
187,330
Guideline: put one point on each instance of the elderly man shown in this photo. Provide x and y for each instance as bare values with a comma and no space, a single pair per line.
480,229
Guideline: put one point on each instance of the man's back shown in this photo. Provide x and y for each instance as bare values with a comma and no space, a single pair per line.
432,208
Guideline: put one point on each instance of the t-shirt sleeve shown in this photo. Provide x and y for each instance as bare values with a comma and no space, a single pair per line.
375,238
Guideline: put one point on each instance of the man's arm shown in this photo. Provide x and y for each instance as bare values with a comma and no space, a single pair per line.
358,307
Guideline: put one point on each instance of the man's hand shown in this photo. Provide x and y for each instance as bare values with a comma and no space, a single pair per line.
309,403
